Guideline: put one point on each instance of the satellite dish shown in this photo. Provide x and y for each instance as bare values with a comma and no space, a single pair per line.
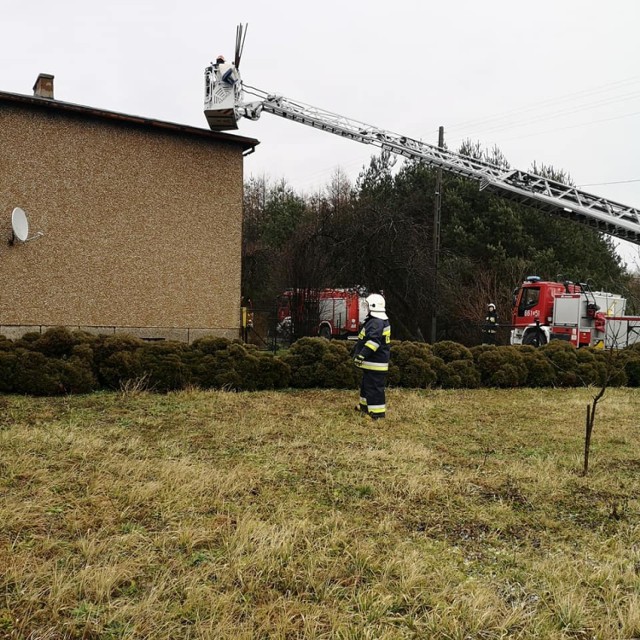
20,224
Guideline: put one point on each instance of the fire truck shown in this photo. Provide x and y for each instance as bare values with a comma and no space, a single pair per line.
337,313
573,312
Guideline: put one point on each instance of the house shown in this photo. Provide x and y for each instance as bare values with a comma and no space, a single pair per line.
134,224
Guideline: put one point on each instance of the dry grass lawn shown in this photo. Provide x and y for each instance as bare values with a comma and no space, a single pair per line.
287,515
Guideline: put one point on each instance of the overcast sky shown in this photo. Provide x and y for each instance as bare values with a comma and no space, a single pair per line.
551,81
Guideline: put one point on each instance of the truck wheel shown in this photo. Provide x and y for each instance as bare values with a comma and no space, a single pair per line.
325,332
534,338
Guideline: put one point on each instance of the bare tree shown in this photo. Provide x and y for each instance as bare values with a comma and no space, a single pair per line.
613,368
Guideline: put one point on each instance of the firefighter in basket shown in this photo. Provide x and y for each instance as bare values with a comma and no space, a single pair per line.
371,354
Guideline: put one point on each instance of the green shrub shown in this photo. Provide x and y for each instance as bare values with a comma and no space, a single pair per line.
450,351
479,349
203,370
27,340
237,367
273,372
564,360
316,362
413,365
221,363
210,344
85,352
459,374
37,375
605,366
120,367
632,368
59,342
77,376
590,370
235,374
501,367
540,371
106,346
8,360
164,365
56,362
339,365
233,368
117,360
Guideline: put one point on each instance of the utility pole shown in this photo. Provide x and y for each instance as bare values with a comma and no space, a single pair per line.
437,205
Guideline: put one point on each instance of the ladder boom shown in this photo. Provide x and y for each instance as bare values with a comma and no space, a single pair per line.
523,187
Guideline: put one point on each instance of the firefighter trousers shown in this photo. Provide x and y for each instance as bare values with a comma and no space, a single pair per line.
372,399
488,337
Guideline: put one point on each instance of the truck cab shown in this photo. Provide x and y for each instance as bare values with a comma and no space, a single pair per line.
533,311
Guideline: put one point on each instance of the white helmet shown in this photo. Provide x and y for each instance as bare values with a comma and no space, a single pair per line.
377,306
491,305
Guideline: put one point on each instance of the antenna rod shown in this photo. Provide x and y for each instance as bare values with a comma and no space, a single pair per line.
241,35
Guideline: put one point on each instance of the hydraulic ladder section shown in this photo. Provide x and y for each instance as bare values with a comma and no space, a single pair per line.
526,188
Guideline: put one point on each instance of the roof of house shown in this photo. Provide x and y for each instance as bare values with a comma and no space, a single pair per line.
81,110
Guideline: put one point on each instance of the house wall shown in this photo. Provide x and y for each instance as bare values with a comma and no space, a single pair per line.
141,227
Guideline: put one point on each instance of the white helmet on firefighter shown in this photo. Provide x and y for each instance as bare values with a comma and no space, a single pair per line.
491,305
377,306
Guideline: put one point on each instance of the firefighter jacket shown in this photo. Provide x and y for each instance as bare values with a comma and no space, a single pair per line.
491,321
373,348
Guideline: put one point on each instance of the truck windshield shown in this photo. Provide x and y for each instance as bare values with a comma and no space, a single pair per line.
529,298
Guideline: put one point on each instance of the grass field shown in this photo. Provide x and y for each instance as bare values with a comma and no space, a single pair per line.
286,515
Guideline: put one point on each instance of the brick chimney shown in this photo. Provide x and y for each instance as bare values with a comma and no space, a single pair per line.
43,88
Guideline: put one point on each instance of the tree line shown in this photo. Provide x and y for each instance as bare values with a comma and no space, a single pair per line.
379,233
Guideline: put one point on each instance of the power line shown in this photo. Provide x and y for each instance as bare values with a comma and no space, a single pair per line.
599,184
572,126
545,103
550,116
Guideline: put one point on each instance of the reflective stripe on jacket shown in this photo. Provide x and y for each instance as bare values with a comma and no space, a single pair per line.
374,343
491,322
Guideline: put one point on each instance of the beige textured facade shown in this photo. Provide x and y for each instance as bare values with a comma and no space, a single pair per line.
141,223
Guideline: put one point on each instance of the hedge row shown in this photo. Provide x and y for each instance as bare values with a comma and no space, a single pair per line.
60,362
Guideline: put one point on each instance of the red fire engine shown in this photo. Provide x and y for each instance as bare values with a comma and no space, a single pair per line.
339,312
545,311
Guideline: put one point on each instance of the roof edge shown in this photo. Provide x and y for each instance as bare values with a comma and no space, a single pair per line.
50,103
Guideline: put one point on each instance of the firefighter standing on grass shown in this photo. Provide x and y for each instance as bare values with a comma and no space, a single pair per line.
371,354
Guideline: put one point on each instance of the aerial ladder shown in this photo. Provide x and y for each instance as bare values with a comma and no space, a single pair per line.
225,105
